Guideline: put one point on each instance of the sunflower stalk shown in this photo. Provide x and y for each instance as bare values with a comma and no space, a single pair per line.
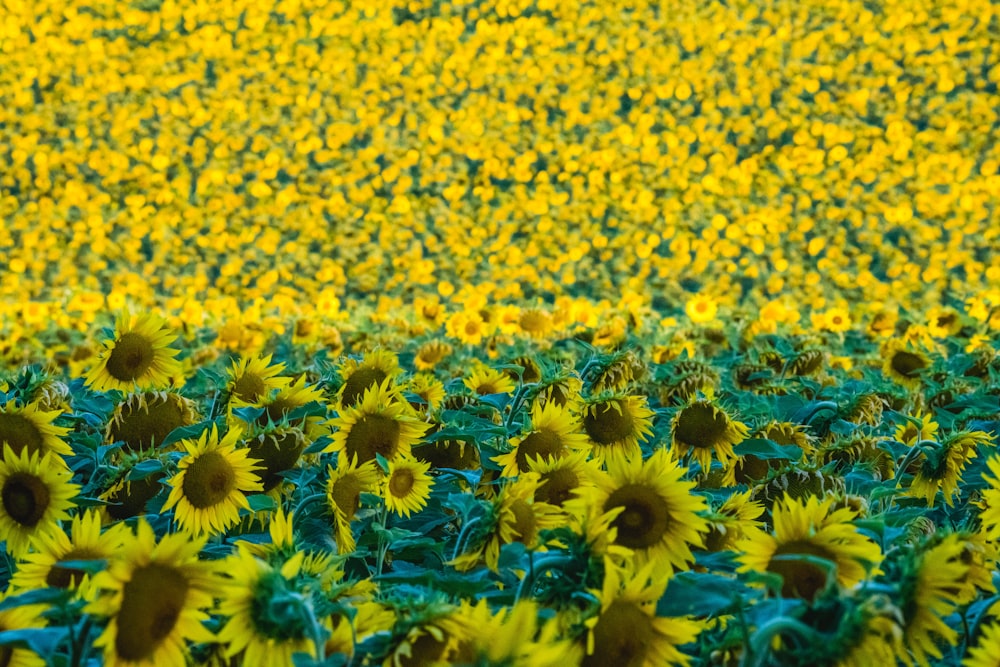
462,537
383,541
535,568
760,642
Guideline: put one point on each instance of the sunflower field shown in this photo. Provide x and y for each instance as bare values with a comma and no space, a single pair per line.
499,333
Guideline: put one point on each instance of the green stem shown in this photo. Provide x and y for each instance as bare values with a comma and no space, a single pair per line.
383,542
462,534
544,564
761,640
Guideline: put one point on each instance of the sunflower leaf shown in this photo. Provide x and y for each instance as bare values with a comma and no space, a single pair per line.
698,593
42,641
144,469
186,433
36,596
763,448
260,502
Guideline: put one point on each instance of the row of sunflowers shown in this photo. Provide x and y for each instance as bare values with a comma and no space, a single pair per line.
751,503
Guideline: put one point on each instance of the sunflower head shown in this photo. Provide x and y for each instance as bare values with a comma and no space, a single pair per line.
562,389
449,453
344,487
618,371
381,424
431,354
614,425
809,361
428,389
35,494
407,485
144,420
375,369
276,450
531,371
554,432
29,428
138,355
561,479
485,380
253,378
706,430
212,481
798,482
904,363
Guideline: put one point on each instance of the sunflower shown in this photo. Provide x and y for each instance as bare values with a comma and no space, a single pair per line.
429,390
22,617
530,373
407,485
627,631
144,420
380,424
211,484
563,478
941,465
729,522
253,378
916,428
512,636
268,620
658,516
85,542
467,327
279,403
809,530
276,450
877,637
933,583
344,487
35,493
535,322
155,594
562,389
986,650
347,632
30,428
430,637
430,354
837,320
377,368
943,321
554,433
614,424
705,429
701,308
903,363
448,453
485,380
139,355
990,515
517,517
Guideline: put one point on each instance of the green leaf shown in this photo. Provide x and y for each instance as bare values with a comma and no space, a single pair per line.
260,502
699,594
37,596
193,431
43,641
763,448
144,469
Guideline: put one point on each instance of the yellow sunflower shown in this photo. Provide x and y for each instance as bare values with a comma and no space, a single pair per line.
35,494
155,594
903,363
430,354
554,433
990,515
143,420
513,636
810,529
211,484
563,390
658,516
535,322
701,308
253,378
433,639
407,485
627,631
85,542
27,427
729,522
139,355
485,380
279,403
916,428
377,368
563,478
467,327
518,517
268,623
706,430
344,487
940,466
986,650
615,424
933,586
380,424
23,617
429,389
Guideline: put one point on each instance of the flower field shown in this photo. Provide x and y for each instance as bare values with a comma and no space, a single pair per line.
499,333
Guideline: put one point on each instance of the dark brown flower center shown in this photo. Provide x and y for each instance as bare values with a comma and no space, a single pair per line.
608,422
145,421
644,519
131,499
152,601
371,435
401,482
360,381
346,494
208,480
25,498
19,432
130,358
525,526
249,387
700,425
277,452
542,444
557,486
622,637
907,364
